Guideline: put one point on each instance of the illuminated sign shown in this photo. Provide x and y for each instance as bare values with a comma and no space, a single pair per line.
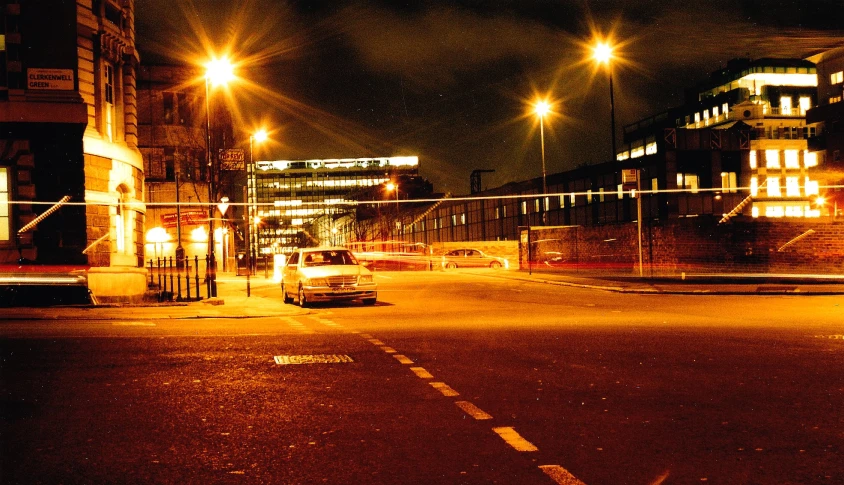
189,218
232,159
50,79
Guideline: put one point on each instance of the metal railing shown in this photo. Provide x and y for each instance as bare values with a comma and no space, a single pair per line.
167,278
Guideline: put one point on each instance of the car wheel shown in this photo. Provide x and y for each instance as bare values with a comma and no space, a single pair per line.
284,296
369,301
451,265
303,302
495,264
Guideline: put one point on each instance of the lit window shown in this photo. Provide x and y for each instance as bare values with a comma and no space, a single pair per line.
754,186
5,220
772,158
108,90
688,181
805,104
753,159
792,159
725,108
562,200
524,207
620,190
836,77
654,185
834,99
601,194
812,187
754,212
650,148
728,182
785,105
498,213
637,152
792,187
536,205
715,112
572,199
588,196
810,159
773,186
463,218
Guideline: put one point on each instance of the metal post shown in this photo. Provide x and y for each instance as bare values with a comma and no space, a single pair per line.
246,214
612,113
210,269
639,216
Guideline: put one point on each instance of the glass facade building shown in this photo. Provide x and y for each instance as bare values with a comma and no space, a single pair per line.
299,203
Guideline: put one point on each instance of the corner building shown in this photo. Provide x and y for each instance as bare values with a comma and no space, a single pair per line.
68,131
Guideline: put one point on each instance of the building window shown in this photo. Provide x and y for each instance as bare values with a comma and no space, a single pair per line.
601,194
772,158
810,159
792,187
792,159
108,94
536,205
498,212
754,187
834,99
812,187
785,105
836,77
753,159
805,104
773,186
5,218
169,108
729,182
588,196
524,207
572,199
688,181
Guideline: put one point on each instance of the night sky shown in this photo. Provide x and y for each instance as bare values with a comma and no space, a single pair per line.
452,81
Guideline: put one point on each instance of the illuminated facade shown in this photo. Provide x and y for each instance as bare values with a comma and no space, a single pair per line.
303,202
771,97
68,104
828,121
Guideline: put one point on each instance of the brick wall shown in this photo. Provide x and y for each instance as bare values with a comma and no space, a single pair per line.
693,245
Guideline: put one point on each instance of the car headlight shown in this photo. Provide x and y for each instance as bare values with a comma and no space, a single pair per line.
365,278
316,282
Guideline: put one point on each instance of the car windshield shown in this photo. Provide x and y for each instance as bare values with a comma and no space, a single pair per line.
328,258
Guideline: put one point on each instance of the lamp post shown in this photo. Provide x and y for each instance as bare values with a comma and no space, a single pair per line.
602,53
391,187
217,71
541,109
250,196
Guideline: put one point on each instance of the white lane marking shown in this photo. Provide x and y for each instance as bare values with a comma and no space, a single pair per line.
401,358
421,372
389,350
560,475
375,341
365,335
514,439
472,410
444,389
133,324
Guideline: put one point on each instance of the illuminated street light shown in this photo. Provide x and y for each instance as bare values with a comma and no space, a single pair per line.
542,108
602,52
217,72
391,187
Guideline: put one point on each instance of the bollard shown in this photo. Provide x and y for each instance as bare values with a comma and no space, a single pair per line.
196,266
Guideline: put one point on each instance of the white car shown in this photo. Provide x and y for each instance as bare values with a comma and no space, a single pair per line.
326,274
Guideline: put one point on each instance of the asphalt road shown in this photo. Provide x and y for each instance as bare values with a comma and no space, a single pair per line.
453,378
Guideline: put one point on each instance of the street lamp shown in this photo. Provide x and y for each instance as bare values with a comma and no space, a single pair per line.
541,108
602,52
391,187
217,72
250,195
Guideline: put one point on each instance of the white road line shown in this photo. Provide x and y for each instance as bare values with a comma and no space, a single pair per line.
375,341
404,360
514,439
389,350
560,475
444,389
472,410
133,324
365,335
421,372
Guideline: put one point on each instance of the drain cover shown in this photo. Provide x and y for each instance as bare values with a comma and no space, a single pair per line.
312,359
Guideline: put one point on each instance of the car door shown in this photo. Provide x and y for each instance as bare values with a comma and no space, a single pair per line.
473,259
289,274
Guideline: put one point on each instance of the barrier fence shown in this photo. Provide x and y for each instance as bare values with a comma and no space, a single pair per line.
168,279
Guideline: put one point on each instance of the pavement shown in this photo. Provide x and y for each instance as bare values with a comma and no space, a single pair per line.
232,300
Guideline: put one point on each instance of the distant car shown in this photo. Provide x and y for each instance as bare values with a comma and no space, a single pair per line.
326,274
472,258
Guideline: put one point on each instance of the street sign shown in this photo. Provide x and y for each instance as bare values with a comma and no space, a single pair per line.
189,218
223,206
629,177
232,159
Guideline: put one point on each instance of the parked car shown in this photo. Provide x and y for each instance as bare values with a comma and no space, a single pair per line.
472,258
326,274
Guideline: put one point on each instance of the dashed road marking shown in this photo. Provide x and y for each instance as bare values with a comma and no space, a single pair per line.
444,389
560,475
375,341
421,373
133,324
389,350
312,359
472,410
403,359
514,439
365,335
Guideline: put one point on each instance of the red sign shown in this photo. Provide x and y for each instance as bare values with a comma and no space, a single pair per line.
189,218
